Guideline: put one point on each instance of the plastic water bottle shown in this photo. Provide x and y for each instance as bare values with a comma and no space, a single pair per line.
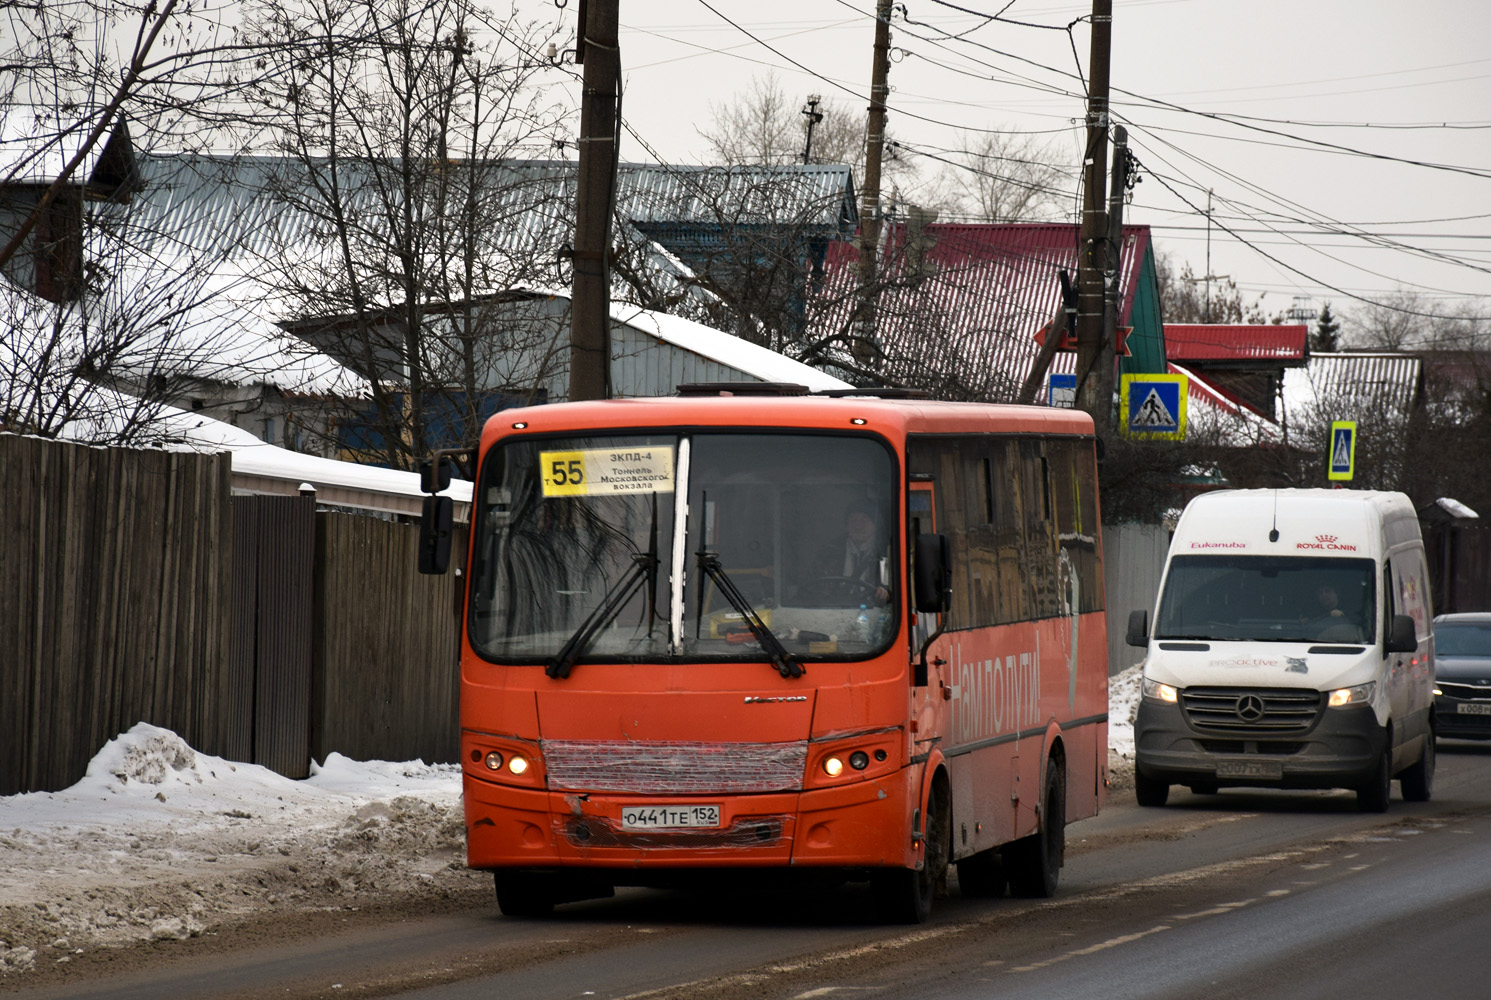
862,625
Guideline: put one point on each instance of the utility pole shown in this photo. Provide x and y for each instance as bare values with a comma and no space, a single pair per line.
1091,257
869,216
590,299
1112,280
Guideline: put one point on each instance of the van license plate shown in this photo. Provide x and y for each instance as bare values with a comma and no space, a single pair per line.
1466,709
669,817
1250,769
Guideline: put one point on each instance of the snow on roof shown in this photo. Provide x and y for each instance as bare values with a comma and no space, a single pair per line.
725,348
267,468
1357,382
1211,410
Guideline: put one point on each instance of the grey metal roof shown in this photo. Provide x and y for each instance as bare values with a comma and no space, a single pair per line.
1356,384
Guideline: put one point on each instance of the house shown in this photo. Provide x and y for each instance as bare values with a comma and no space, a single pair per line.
239,255
1244,362
963,303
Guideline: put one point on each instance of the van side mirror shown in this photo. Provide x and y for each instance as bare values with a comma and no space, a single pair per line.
934,574
435,523
1402,636
1138,628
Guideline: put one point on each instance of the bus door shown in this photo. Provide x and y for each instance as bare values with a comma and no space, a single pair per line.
921,518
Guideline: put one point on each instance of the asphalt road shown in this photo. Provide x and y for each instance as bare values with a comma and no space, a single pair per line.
1243,894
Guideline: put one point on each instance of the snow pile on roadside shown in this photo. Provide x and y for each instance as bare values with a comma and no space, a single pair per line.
158,841
1123,702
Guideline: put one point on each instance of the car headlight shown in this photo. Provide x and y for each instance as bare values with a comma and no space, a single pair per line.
1359,695
1160,692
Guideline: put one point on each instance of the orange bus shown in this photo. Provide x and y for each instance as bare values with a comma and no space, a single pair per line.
754,630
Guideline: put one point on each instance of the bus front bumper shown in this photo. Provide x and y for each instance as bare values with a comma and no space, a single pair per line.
863,824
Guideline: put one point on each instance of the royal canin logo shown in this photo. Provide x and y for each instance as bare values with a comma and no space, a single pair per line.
1326,543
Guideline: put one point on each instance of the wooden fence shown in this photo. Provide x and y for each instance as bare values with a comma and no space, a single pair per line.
113,602
134,587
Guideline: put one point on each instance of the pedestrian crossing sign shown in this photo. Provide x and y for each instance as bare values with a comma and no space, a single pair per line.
1154,406
1342,451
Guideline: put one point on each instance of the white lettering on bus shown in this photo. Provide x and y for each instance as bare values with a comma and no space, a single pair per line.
996,696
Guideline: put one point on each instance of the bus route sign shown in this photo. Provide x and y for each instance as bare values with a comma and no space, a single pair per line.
596,471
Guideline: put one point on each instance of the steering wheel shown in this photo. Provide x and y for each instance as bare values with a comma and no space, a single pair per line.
832,589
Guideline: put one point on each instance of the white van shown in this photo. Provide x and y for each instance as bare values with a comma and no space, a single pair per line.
1292,648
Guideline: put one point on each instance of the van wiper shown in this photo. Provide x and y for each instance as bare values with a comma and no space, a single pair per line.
644,570
709,562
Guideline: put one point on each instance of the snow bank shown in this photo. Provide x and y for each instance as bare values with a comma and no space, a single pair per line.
159,841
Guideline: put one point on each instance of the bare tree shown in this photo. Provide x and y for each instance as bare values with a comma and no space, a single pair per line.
767,127
1007,177
401,158
1185,298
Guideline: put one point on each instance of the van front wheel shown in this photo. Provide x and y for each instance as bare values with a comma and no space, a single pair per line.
1418,781
1374,796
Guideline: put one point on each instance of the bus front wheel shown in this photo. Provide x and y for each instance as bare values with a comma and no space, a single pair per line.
523,894
904,895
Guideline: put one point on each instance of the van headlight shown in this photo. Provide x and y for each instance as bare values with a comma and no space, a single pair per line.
1160,692
1359,695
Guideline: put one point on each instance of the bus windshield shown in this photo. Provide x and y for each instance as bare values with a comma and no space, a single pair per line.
583,551
1284,599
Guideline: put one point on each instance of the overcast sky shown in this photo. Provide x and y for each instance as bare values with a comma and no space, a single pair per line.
1297,115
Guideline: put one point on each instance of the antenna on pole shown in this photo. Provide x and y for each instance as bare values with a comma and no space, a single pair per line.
814,116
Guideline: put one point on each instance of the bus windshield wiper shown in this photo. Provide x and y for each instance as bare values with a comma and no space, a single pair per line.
644,570
709,562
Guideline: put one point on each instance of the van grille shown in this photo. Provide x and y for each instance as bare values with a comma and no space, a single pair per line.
1251,712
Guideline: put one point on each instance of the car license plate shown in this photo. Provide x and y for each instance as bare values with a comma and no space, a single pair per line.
1465,708
668,817
1272,769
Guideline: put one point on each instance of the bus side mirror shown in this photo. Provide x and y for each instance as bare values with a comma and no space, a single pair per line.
435,523
1402,637
934,574
434,475
1138,628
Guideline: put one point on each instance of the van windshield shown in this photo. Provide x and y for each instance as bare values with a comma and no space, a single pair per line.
1268,598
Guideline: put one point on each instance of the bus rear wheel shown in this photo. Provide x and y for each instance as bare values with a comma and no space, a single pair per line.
1034,862
904,895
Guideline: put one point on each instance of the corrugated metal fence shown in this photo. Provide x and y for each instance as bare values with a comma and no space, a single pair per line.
133,588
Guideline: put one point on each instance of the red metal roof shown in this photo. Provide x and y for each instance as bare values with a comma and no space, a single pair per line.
969,300
1235,342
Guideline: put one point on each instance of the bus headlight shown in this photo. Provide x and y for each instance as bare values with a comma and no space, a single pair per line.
518,765
833,766
1358,695
1160,692
493,761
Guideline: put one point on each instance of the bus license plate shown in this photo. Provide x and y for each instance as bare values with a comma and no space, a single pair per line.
1250,769
1464,709
668,817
